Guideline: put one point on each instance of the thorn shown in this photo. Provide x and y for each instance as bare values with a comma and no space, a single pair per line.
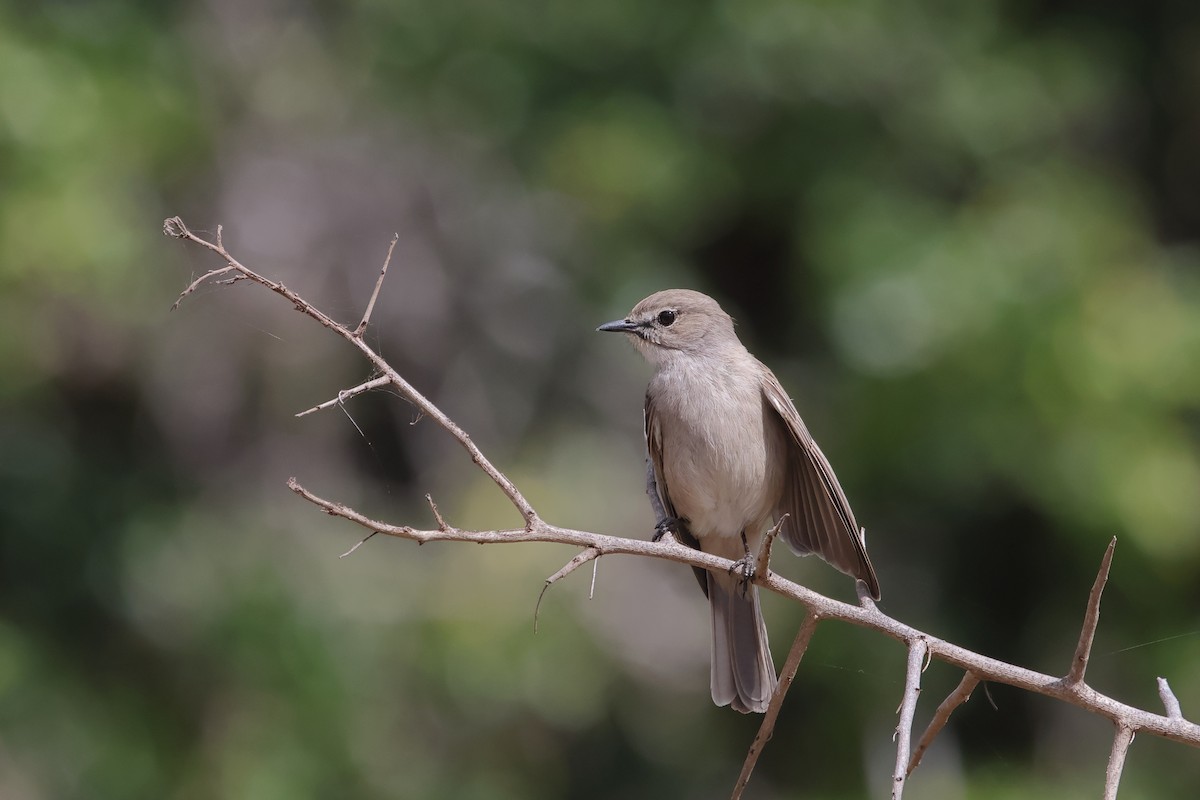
987,692
437,515
346,394
1169,700
360,544
537,608
1091,619
366,318
763,565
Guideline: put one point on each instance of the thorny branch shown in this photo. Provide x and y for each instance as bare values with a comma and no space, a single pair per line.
1071,688
765,731
917,652
175,228
346,394
960,695
1116,760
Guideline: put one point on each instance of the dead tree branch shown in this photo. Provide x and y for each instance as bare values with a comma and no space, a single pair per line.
1071,688
960,695
174,227
765,731
1116,760
908,709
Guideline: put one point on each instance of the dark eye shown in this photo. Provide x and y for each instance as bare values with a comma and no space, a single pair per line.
666,318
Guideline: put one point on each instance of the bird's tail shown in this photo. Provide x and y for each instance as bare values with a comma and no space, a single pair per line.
743,674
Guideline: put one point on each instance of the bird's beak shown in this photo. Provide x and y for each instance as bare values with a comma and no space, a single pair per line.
620,326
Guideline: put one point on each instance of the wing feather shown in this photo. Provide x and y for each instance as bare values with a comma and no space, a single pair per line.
654,456
819,517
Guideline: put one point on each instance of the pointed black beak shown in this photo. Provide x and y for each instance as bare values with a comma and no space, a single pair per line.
620,326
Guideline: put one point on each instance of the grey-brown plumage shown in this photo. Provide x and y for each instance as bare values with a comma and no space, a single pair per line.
728,455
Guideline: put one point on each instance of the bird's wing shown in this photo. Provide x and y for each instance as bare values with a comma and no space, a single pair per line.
654,454
819,517
654,451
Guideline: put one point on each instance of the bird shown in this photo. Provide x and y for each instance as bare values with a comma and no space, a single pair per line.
728,456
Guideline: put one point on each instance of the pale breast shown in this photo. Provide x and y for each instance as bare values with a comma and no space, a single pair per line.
723,448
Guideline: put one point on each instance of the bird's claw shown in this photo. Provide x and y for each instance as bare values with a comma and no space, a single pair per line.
745,568
666,525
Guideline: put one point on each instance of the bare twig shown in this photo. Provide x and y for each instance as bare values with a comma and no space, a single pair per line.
940,717
194,285
362,326
1169,700
346,394
1116,760
437,515
358,544
764,550
765,731
917,650
176,228
572,565
1091,619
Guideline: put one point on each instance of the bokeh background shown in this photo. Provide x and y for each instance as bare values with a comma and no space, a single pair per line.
963,234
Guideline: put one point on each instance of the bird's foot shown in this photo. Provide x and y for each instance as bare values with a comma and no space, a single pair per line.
671,525
744,568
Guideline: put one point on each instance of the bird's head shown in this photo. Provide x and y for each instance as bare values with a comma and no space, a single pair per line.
675,321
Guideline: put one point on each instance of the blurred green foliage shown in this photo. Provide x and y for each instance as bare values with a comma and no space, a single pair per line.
964,235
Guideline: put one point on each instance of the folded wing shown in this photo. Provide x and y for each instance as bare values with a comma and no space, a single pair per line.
654,452
819,517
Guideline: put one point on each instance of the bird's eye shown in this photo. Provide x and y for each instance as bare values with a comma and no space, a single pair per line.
666,318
